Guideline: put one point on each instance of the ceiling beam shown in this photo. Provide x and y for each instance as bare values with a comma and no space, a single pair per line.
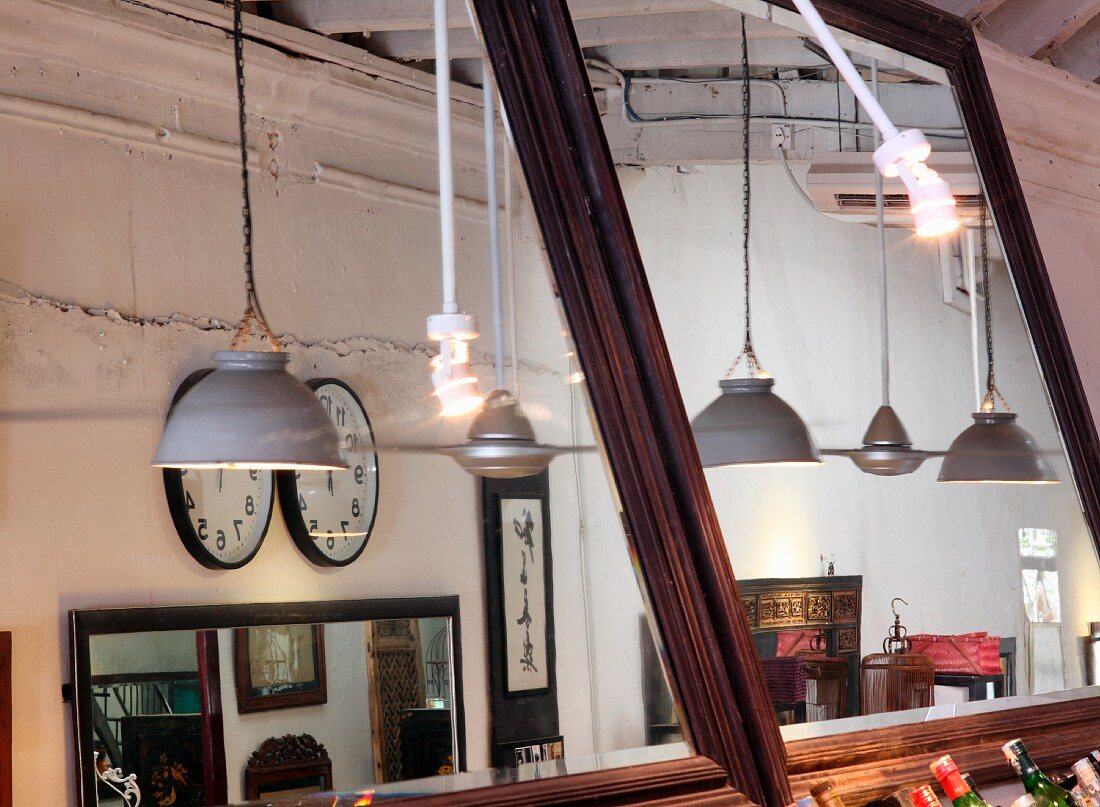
652,29
1028,27
356,16
969,9
1080,54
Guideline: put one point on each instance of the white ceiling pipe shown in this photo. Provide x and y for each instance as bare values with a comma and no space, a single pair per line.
494,219
446,168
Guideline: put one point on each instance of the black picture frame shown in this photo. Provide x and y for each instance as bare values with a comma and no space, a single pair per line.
506,590
286,482
207,619
517,714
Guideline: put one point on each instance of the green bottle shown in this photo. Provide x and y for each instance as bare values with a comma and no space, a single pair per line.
1036,783
947,773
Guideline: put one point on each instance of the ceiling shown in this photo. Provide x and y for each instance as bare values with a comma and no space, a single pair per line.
678,34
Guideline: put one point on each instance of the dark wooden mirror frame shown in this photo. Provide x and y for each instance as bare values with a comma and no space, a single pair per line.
669,518
83,624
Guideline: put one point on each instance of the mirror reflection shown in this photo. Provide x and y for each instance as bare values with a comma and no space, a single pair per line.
304,708
877,435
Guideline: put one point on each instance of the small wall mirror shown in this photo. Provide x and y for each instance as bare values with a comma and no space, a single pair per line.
206,705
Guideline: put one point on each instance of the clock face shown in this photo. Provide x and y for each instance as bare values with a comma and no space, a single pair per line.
228,512
221,515
330,514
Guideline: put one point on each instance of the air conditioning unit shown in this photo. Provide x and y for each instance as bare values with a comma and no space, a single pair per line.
842,185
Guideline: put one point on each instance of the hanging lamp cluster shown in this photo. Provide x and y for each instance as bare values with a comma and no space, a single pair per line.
249,412
748,424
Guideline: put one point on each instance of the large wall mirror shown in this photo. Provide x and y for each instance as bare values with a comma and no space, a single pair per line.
860,325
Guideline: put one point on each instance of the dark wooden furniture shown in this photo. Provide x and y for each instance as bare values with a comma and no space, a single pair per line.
287,763
830,606
426,748
206,620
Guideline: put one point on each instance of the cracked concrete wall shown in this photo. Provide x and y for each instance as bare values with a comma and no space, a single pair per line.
120,273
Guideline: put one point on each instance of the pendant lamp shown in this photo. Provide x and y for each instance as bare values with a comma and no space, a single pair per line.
501,442
748,424
249,412
994,449
887,449
454,382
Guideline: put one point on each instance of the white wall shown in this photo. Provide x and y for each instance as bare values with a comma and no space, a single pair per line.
120,262
950,550
342,724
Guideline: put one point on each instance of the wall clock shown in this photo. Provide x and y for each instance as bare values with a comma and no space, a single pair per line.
221,515
330,514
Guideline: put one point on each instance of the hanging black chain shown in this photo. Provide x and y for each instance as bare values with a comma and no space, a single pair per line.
747,353
992,394
253,314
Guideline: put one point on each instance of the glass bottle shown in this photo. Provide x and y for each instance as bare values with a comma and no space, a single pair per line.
1038,784
825,794
947,773
973,787
1088,781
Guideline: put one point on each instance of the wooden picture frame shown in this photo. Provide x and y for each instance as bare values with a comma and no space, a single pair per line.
283,688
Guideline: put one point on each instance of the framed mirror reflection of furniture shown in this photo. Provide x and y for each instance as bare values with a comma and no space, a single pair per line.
153,695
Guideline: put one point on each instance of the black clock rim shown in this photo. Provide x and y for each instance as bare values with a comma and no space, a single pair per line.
288,494
177,502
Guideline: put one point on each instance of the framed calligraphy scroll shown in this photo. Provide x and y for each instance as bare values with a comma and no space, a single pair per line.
519,590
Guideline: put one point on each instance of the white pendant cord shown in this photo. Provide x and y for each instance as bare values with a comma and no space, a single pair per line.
493,215
509,236
446,169
846,69
880,235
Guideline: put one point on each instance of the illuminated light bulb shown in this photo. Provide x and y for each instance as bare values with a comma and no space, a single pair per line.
934,209
454,382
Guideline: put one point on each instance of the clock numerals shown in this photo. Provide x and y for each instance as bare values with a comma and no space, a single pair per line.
331,513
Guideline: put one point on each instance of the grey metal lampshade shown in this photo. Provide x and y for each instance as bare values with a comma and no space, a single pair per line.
994,449
501,442
887,450
750,425
249,413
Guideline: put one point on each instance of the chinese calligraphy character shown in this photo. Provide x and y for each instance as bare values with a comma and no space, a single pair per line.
525,531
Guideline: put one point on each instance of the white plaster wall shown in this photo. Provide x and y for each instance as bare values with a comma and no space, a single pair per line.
163,651
342,724
950,550
120,262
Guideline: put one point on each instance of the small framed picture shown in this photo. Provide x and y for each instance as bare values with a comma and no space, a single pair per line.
526,752
279,667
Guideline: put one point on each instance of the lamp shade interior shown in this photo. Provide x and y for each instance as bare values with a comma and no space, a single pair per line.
249,412
747,424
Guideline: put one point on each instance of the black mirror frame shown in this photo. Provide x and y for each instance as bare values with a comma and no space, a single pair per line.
669,518
83,624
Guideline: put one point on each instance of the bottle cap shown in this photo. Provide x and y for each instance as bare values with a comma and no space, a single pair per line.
1012,750
943,767
821,787
924,796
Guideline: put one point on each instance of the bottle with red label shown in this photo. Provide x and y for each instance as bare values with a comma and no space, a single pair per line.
947,773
